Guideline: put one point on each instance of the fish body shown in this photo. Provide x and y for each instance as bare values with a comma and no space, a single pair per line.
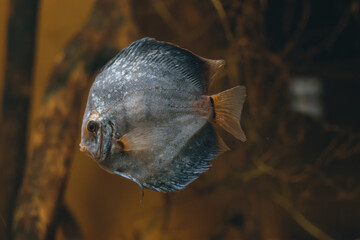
148,117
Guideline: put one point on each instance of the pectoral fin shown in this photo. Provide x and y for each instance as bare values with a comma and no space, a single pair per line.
140,139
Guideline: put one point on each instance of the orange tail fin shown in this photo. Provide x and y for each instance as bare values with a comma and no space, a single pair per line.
228,106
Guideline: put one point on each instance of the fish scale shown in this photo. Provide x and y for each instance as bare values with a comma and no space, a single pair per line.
148,117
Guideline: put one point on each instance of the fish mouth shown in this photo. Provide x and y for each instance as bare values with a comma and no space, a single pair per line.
82,148
90,154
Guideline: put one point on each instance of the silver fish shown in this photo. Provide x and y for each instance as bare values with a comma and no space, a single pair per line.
148,117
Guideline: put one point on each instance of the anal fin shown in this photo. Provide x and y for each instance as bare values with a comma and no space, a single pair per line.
222,145
193,159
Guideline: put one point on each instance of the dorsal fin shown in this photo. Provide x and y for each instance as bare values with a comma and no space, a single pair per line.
213,67
168,60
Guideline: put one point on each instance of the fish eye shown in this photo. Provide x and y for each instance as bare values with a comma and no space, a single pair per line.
92,126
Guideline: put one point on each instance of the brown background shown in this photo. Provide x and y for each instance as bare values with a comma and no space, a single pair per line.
237,198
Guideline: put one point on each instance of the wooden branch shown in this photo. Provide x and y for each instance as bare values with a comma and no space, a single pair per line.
13,127
57,124
300,219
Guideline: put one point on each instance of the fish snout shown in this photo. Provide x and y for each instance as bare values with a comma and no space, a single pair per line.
82,148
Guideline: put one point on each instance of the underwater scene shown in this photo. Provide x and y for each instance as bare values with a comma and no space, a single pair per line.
180,120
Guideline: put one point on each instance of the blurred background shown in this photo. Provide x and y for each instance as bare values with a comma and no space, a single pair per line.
297,176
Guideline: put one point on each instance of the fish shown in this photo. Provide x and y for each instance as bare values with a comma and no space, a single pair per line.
149,119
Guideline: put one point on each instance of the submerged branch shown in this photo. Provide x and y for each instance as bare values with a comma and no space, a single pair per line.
300,218
58,121
14,112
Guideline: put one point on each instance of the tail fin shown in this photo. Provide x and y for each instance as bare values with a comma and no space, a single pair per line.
228,106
